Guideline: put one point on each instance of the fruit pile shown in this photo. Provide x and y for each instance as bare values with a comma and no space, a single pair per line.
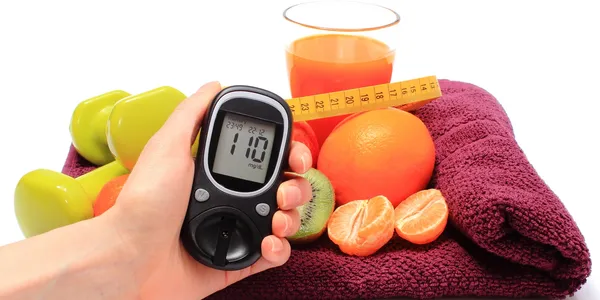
370,181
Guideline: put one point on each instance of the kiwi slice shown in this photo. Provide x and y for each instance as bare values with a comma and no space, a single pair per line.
315,214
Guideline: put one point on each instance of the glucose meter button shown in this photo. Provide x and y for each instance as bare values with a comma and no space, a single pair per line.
262,209
201,195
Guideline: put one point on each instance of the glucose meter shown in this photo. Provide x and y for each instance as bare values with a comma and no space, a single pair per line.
243,151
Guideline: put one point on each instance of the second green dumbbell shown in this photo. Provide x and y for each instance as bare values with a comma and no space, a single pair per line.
135,119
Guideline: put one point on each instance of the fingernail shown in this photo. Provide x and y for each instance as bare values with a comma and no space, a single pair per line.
293,193
283,197
275,246
286,229
305,157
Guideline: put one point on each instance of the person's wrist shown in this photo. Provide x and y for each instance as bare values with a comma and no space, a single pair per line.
116,226
123,246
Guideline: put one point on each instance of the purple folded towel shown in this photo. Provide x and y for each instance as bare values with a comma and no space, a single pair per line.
508,233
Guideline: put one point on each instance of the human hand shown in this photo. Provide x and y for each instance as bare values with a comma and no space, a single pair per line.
151,206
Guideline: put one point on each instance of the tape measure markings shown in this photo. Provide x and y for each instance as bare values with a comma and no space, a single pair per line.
364,98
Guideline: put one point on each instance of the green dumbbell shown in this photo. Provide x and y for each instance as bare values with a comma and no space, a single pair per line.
135,119
88,127
45,199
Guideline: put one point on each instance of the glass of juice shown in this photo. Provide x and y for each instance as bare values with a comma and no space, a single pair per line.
334,45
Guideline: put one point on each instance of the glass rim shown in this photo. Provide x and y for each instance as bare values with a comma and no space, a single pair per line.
339,29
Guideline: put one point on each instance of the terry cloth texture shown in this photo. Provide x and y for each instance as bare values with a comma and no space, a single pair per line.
508,233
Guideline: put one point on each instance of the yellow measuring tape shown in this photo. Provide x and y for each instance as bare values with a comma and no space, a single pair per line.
351,101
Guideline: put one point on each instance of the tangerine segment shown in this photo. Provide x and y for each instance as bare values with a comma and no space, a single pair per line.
361,227
422,217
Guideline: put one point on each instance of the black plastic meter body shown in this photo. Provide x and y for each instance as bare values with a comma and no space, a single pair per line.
242,153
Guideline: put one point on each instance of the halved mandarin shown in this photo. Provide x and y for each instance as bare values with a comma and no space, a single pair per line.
361,227
422,217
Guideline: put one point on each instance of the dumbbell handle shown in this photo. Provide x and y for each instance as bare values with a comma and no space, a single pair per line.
99,124
93,181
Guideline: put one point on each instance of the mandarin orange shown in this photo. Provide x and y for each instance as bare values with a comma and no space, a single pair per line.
362,227
422,217
108,194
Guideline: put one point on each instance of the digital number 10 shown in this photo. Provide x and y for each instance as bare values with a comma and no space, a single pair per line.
254,147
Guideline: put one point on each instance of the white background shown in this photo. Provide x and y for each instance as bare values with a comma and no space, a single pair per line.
539,58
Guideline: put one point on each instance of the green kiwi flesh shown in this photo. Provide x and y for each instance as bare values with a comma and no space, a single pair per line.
315,214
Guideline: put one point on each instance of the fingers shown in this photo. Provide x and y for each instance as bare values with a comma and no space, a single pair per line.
275,252
300,158
276,249
293,193
285,223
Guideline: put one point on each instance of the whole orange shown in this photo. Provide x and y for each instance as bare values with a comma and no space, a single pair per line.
108,194
386,152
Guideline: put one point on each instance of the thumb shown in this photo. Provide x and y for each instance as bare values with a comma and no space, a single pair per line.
165,160
183,124
180,129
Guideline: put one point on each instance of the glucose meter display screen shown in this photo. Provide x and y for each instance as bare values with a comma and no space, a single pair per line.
244,148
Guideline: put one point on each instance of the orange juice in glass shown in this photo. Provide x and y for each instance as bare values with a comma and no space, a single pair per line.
335,45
